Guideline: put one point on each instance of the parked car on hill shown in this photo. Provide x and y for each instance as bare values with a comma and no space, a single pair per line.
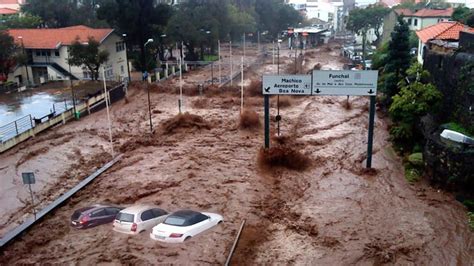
182,225
94,215
136,219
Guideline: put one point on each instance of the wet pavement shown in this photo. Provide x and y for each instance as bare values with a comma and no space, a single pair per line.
35,102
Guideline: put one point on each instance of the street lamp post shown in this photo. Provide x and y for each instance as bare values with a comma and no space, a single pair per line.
148,90
219,54
72,87
126,58
25,63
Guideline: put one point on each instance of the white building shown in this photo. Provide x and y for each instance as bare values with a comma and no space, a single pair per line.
11,4
425,17
330,11
47,52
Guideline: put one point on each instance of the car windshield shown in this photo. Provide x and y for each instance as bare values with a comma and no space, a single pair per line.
175,220
78,213
125,217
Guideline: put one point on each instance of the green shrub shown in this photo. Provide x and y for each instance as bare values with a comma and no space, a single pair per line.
469,204
416,159
417,148
412,174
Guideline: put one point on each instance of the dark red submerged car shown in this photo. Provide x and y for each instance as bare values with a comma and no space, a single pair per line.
94,215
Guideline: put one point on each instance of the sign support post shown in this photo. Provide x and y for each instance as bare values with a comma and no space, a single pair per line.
28,179
371,131
32,201
319,83
266,101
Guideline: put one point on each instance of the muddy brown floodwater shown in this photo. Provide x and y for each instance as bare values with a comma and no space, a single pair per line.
333,213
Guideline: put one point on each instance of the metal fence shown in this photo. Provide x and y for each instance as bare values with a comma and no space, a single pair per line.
28,122
16,127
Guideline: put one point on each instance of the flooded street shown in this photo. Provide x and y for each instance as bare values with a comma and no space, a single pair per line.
34,102
335,212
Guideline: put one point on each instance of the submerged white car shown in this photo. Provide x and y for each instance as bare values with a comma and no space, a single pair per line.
136,219
182,225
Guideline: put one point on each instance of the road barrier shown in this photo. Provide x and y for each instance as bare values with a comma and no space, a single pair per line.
31,221
236,242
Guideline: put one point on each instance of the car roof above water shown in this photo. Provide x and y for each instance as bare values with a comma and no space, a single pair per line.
186,214
137,209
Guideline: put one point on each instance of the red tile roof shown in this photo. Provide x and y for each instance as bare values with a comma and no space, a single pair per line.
7,11
54,38
403,12
446,30
425,12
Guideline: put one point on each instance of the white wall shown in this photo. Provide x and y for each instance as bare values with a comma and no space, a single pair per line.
117,63
422,23
419,55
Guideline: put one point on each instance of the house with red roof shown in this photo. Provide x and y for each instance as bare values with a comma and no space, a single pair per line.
417,20
442,37
47,53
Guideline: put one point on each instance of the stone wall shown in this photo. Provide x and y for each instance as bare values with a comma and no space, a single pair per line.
447,164
446,69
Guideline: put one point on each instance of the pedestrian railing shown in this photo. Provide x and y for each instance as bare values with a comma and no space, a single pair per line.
15,128
28,122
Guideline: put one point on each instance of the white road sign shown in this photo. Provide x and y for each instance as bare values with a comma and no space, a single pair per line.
287,84
345,82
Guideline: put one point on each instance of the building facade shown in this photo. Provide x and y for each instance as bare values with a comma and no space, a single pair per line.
47,51
443,36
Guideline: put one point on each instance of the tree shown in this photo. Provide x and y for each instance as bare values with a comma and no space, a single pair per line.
206,21
7,54
241,22
398,58
26,21
274,16
88,55
463,15
360,23
140,20
414,100
376,14
64,13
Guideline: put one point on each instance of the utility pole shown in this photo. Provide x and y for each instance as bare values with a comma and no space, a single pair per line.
242,85
72,87
108,112
220,63
180,80
258,42
231,66
126,58
148,90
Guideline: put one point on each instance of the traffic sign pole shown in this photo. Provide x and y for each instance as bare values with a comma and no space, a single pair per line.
371,131
32,201
266,101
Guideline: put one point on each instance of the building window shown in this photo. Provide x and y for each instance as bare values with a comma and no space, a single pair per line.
122,69
409,21
415,22
38,52
56,53
119,46
87,75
